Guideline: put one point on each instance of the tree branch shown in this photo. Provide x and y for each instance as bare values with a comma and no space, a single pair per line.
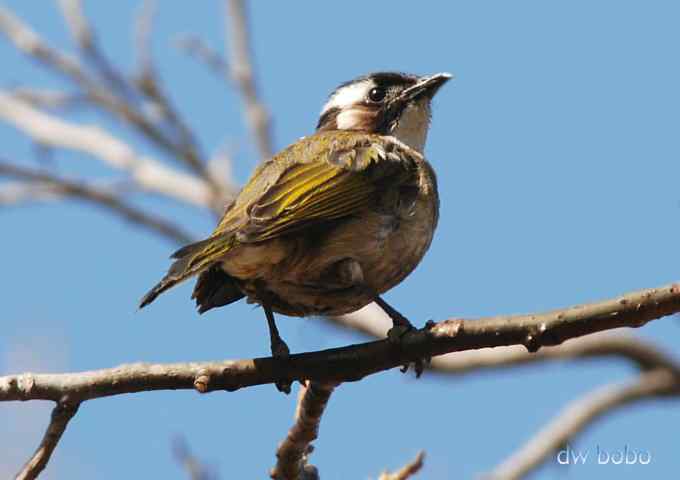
372,321
150,174
120,105
62,413
291,456
242,73
407,471
580,414
194,468
100,198
356,361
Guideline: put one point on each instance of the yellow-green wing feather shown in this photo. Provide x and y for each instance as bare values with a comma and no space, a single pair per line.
324,177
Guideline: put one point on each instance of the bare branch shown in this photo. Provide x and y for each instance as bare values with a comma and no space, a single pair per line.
19,193
100,198
606,344
62,413
47,99
194,47
580,414
372,321
407,471
242,73
150,174
149,85
291,456
356,361
85,38
143,29
29,42
194,468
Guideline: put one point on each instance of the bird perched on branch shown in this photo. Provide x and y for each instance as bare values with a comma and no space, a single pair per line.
334,220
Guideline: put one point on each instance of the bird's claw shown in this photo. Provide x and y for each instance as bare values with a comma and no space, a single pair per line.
281,354
397,332
395,336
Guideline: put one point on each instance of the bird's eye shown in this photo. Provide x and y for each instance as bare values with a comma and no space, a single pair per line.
376,94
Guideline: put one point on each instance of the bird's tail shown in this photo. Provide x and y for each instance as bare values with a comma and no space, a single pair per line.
190,260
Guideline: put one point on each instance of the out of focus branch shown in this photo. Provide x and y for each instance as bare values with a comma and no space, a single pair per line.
407,471
242,73
149,84
97,197
149,174
110,100
62,413
194,468
582,413
85,39
194,47
291,456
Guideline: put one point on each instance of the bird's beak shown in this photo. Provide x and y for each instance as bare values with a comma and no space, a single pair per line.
425,87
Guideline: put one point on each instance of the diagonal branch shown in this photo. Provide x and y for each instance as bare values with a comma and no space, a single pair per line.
100,198
407,471
193,467
148,173
291,456
242,73
580,414
149,84
86,39
356,361
62,413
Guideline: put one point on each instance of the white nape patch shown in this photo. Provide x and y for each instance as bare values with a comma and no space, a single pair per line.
349,95
413,125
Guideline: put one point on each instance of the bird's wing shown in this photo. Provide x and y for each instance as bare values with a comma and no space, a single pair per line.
325,177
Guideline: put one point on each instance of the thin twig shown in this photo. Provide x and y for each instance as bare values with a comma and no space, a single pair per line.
148,83
582,413
61,414
84,36
48,99
100,198
292,453
196,48
194,468
407,471
242,73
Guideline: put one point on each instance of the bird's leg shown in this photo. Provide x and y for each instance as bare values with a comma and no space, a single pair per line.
280,350
278,346
400,326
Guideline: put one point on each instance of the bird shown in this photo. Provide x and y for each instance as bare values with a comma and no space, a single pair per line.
333,221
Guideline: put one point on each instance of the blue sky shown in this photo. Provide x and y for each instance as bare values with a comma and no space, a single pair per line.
558,157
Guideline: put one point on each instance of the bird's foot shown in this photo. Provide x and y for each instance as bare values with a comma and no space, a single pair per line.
395,336
397,332
281,354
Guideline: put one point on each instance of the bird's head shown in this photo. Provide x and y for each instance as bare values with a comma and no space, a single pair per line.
387,103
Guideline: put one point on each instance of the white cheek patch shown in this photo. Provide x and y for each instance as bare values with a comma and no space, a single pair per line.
349,119
349,95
